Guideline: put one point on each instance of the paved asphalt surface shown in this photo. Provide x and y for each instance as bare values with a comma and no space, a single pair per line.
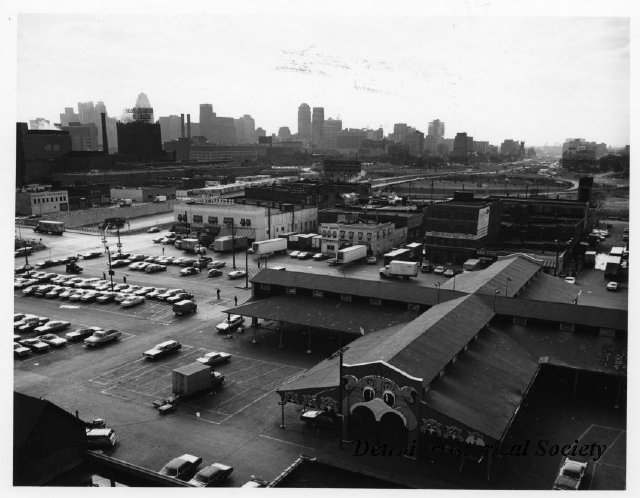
240,424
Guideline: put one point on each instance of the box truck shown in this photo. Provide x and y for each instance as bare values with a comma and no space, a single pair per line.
397,255
589,258
405,269
269,246
415,251
227,243
160,198
471,265
125,202
194,378
305,241
316,242
52,227
351,254
190,245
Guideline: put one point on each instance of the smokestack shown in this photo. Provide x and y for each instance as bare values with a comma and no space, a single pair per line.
189,126
181,125
105,142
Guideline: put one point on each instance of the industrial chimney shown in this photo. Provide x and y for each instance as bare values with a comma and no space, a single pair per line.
189,126
181,125
105,142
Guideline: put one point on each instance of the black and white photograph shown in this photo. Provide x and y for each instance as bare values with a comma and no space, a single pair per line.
319,245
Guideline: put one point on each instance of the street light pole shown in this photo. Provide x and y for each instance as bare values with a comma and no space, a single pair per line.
555,269
246,267
340,355
495,296
110,268
438,287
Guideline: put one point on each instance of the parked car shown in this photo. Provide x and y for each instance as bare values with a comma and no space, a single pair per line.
426,268
184,306
144,291
81,333
448,273
319,418
154,268
101,438
180,296
168,294
214,272
371,260
439,270
35,345
185,272
255,482
613,286
304,255
52,326
214,358
162,349
153,230
570,474
319,256
211,475
236,274
230,324
132,301
294,254
120,262
570,280
182,467
154,294
101,337
89,297
19,351
216,264
53,340
332,261
106,297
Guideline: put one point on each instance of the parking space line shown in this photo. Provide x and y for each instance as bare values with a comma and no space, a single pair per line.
287,442
612,444
585,432
259,375
247,406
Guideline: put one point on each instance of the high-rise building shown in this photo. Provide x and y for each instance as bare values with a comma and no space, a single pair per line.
331,129
69,116
317,127
415,141
207,117
143,112
86,112
246,130
224,131
304,122
170,127
84,136
284,133
436,128
462,147
260,133
400,131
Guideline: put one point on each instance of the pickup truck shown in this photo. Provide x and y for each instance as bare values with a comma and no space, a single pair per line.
182,467
101,337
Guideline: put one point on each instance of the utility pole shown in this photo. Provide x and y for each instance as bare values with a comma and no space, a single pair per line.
110,268
340,355
246,267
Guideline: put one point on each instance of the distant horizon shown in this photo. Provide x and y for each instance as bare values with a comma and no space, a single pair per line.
533,79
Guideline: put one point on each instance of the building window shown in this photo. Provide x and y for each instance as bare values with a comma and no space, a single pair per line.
248,222
242,223
375,301
324,233
291,290
384,234
317,293
213,220
335,234
359,235
368,393
197,218
351,235
342,234
266,287
369,236
345,297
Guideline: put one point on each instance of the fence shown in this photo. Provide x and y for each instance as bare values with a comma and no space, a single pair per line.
74,219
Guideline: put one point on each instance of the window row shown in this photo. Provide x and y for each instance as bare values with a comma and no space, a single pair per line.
333,234
42,200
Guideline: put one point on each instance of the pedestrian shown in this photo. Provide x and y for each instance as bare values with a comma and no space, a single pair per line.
163,250
218,291
124,279
104,276
235,298
258,264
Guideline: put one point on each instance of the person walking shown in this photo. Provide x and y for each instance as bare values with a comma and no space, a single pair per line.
235,298
104,276
258,264
218,291
163,250
124,279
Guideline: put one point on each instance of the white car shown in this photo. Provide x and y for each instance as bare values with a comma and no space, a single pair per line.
439,270
570,280
132,301
570,475
230,324
52,326
214,358
613,286
53,340
294,254
236,274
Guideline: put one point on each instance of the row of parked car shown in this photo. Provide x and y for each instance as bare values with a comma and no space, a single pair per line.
45,339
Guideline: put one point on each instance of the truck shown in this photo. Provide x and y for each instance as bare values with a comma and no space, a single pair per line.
52,227
406,269
589,258
194,378
415,251
125,202
397,255
351,254
160,198
613,269
228,243
316,242
305,241
471,265
192,245
269,246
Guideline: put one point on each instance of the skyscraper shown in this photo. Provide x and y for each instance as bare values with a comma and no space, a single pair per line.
436,128
462,147
86,112
331,129
246,130
317,127
69,116
143,112
207,117
304,122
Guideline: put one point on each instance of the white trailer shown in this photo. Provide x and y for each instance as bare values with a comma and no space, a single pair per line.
351,254
269,246
406,269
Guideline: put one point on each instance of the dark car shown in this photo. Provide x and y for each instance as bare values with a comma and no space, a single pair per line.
81,333
319,418
162,349
185,272
211,475
214,273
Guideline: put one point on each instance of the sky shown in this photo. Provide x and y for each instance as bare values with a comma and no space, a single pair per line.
538,79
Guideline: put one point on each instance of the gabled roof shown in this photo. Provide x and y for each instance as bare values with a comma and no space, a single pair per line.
506,275
406,292
551,289
424,346
485,386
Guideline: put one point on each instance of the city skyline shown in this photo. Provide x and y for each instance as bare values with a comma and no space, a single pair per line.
493,78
